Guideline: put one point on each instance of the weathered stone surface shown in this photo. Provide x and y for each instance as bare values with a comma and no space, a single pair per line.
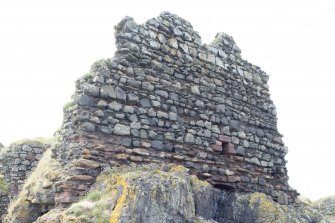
87,126
115,106
145,102
189,138
107,91
120,94
84,100
120,129
86,163
157,144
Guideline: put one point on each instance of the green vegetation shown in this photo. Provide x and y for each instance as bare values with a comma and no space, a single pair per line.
86,211
96,206
94,196
99,62
69,106
87,76
40,141
3,184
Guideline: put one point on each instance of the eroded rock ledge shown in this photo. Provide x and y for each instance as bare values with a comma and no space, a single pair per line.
167,194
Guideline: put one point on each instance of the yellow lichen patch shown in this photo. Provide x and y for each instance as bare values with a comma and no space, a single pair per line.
116,214
195,181
178,168
267,210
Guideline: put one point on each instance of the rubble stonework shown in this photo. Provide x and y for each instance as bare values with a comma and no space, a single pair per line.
16,163
167,98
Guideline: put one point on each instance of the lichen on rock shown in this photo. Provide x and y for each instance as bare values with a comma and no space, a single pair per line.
138,194
167,194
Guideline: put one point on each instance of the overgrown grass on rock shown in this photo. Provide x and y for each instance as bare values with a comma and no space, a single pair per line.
39,140
3,184
69,106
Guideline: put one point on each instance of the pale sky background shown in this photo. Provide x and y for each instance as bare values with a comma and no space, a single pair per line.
46,45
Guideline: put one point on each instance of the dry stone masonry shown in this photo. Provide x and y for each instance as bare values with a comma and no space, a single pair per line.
16,163
167,98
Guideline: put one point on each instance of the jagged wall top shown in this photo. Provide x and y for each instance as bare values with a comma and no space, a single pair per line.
222,51
178,27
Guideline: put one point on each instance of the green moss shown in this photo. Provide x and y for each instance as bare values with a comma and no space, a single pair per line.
3,184
93,196
89,211
99,62
87,76
39,140
69,106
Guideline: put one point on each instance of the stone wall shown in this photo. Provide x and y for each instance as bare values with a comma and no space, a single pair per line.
167,98
16,163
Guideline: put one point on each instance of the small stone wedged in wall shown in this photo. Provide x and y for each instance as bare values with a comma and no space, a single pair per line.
167,98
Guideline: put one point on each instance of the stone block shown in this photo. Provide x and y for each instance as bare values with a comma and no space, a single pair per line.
224,139
229,149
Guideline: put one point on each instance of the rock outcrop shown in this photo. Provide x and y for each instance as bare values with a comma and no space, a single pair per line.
152,193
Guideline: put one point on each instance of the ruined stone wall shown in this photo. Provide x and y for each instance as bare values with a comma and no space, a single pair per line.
166,97
16,163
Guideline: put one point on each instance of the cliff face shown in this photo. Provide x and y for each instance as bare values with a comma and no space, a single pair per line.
169,130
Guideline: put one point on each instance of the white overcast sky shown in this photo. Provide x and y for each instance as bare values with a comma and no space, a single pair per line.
46,45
